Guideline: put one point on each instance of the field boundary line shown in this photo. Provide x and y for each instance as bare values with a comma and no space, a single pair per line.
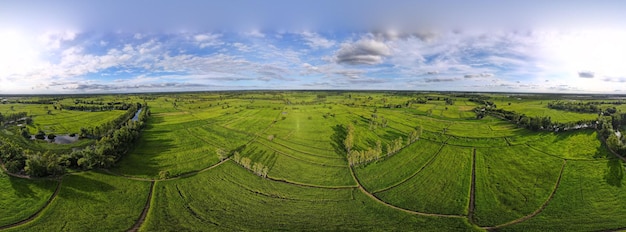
303,160
144,213
396,207
188,174
539,210
38,212
430,161
304,152
472,199
310,185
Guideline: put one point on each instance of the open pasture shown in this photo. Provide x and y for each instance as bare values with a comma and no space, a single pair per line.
200,149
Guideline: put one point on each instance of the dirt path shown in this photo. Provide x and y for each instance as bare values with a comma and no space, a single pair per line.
144,213
396,207
472,200
543,206
33,216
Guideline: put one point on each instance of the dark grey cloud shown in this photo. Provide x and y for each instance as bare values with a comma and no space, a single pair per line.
586,74
432,72
615,79
441,79
365,51
108,87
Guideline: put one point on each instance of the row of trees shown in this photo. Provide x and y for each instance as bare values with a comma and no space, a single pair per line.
14,117
256,167
587,107
103,154
356,157
533,123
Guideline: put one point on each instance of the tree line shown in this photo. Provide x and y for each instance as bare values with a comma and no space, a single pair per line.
14,117
580,107
535,123
357,157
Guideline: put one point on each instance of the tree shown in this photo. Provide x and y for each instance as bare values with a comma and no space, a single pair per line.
221,153
349,141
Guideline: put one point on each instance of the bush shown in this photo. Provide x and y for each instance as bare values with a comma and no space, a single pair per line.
164,174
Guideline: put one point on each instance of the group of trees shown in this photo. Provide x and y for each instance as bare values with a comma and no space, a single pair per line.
374,123
356,157
14,117
586,107
606,125
107,150
257,168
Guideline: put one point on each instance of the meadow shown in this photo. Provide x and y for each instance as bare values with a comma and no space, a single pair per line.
278,160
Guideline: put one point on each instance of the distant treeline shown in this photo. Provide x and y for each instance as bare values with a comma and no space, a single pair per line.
586,107
107,150
532,123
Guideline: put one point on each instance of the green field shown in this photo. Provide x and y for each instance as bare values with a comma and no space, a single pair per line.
205,154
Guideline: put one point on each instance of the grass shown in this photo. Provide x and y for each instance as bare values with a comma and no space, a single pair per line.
229,198
299,137
509,184
92,202
21,198
591,197
392,170
442,187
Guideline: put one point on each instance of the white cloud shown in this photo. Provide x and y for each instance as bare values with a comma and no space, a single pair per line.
315,41
208,40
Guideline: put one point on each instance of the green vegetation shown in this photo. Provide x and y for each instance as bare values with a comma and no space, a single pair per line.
321,160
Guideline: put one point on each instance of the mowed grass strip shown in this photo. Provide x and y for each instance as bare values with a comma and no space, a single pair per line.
92,201
293,169
512,183
443,187
230,198
591,197
21,198
398,167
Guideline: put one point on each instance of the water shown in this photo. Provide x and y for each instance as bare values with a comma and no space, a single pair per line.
136,117
60,139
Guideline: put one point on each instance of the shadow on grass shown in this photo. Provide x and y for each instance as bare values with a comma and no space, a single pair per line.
337,138
81,187
615,172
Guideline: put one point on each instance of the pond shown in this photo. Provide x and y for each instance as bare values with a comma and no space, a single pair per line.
59,139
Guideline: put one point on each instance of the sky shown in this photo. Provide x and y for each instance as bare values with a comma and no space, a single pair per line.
59,47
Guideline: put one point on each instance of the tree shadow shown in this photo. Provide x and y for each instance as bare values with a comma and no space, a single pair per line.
337,138
615,173
80,187
21,188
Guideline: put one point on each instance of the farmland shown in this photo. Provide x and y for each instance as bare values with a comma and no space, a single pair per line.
304,160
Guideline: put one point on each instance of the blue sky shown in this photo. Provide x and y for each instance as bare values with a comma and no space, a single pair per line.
150,46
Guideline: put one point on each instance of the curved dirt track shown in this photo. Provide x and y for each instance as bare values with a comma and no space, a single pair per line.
539,210
144,213
33,216
396,207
